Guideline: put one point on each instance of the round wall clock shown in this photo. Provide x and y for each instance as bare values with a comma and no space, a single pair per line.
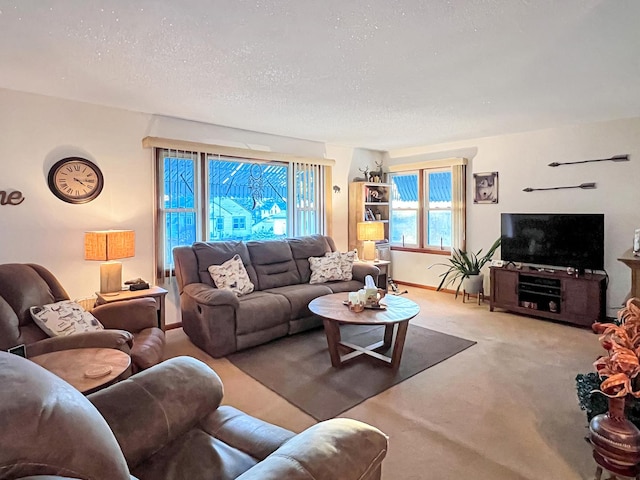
75,180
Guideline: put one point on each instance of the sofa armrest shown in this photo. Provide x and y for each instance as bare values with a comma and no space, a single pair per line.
209,318
340,449
132,315
150,409
361,270
206,295
118,339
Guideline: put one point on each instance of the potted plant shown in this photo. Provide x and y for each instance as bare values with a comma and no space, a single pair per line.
466,266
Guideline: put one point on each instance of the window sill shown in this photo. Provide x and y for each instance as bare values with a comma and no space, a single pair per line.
434,251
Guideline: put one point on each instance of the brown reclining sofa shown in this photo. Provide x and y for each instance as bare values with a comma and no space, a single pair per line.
220,323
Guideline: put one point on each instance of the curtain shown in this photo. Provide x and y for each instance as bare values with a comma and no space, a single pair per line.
309,185
458,210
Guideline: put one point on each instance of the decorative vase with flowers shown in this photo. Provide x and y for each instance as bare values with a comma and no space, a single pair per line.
615,439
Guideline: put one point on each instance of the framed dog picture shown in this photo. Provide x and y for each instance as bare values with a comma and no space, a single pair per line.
485,187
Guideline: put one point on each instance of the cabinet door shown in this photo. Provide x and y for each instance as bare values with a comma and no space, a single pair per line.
581,300
504,287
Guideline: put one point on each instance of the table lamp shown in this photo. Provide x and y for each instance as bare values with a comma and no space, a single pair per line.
369,232
109,245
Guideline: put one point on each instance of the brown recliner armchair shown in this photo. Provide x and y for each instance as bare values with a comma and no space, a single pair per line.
130,325
165,423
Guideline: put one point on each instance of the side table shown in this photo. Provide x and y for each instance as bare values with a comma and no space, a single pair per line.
633,262
86,369
157,293
384,266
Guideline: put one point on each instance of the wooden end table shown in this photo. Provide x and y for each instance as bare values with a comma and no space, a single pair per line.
395,317
384,266
75,364
157,293
633,262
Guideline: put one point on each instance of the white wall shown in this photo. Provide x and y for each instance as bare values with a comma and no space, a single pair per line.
36,131
521,161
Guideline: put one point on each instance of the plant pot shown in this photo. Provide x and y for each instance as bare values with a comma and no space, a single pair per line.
473,284
615,440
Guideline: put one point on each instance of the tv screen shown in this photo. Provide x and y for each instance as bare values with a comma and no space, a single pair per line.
554,239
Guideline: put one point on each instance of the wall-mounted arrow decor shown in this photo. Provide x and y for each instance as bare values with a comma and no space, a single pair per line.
616,158
582,185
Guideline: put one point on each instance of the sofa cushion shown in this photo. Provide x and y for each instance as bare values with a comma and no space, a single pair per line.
260,311
232,275
345,286
325,269
304,247
216,253
25,285
273,263
64,318
299,297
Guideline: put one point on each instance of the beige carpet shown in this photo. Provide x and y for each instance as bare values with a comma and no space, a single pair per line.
504,409
298,367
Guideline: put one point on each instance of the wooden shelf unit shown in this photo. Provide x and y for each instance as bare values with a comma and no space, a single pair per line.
363,197
555,295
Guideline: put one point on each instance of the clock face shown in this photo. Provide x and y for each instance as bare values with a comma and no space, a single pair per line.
75,180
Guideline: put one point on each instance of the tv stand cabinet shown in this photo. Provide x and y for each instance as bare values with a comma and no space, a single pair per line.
554,295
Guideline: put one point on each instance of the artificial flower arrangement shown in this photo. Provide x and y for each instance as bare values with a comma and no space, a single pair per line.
622,343
617,371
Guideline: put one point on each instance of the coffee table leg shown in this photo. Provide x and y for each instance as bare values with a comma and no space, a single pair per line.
401,334
388,336
332,331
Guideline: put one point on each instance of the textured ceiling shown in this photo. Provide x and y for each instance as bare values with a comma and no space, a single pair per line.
379,74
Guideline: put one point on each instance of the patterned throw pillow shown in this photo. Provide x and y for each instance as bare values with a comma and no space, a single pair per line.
64,318
232,275
325,269
346,262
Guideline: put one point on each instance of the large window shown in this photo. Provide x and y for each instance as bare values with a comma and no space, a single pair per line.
427,210
179,201
208,197
248,199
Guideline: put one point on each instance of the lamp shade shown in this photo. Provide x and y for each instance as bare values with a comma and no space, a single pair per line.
370,231
108,245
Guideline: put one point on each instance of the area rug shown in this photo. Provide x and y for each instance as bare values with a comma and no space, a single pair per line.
298,368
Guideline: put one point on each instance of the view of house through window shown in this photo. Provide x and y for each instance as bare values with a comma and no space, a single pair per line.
246,200
206,197
421,217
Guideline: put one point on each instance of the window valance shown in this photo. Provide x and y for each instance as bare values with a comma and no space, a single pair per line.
172,144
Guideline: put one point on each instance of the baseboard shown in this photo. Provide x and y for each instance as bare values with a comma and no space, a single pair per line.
434,289
424,287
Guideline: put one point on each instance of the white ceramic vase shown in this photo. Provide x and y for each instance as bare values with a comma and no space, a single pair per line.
473,284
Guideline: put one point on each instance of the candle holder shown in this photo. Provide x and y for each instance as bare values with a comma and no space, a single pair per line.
356,307
373,297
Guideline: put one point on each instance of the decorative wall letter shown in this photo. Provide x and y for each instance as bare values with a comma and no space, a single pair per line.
11,198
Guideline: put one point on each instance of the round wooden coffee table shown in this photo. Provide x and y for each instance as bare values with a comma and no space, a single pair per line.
86,369
396,316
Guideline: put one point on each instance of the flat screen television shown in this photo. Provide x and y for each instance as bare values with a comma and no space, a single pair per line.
554,239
